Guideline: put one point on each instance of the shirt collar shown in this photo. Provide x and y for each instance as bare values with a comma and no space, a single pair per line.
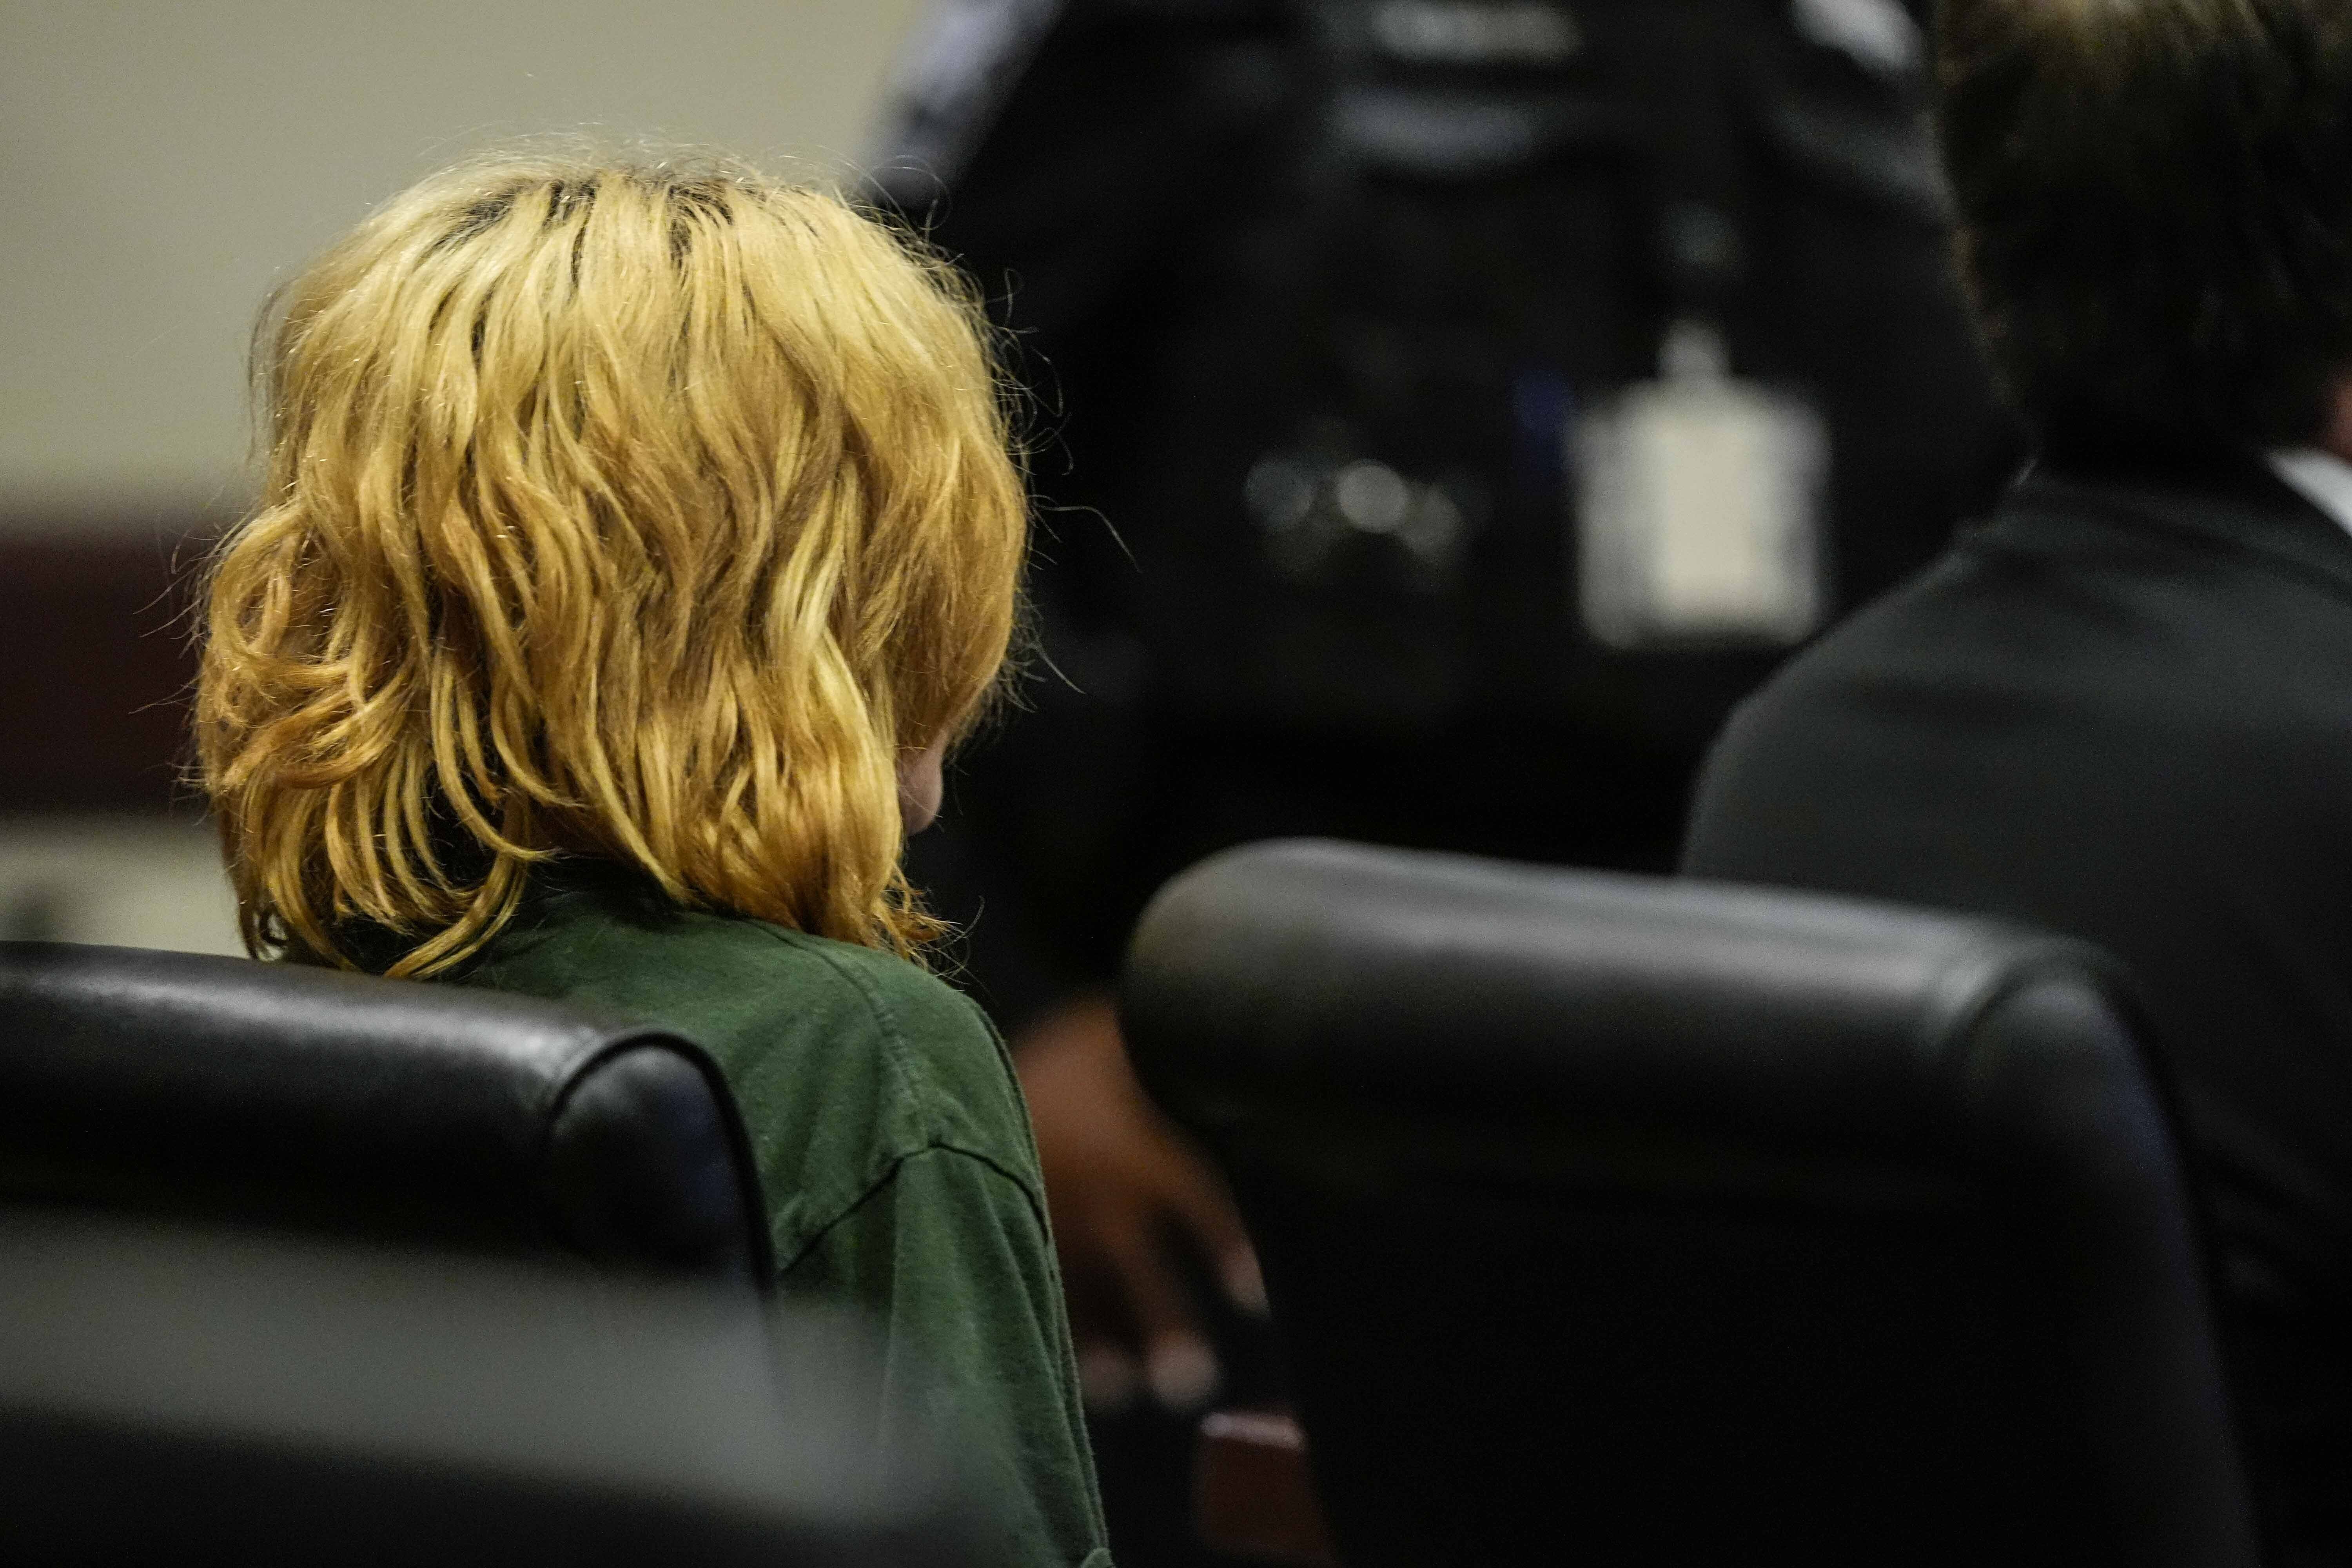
2323,479
2236,499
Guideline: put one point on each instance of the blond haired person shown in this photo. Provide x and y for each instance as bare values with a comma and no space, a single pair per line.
636,537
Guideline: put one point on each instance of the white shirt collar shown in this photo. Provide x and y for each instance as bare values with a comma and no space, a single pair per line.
2323,479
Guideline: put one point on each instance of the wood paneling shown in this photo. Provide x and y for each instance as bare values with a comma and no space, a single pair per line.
96,664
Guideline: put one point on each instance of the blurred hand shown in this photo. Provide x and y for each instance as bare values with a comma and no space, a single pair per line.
1126,1191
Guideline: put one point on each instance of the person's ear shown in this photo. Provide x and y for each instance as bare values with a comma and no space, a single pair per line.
922,781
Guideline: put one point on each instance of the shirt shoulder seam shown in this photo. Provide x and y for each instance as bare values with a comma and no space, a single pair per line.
1029,1198
886,1022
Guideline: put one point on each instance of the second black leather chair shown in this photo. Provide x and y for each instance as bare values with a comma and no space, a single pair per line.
1612,1220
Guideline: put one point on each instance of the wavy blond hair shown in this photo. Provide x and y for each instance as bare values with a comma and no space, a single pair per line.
651,510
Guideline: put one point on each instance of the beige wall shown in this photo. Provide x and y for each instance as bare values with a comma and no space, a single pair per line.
163,162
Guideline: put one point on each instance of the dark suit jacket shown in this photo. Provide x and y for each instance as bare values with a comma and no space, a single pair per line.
2122,708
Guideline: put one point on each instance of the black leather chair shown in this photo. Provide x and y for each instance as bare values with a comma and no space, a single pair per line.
1613,1220
174,1393
215,1088
273,1288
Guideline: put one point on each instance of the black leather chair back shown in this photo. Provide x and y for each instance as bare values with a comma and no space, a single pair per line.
1615,1220
178,1084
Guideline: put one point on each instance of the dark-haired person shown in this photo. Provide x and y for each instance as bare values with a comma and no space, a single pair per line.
2122,706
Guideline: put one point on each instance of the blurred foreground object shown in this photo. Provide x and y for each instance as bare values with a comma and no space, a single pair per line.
201,1396
1666,1223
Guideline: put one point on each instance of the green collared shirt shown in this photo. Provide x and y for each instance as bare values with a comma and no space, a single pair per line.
895,1153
